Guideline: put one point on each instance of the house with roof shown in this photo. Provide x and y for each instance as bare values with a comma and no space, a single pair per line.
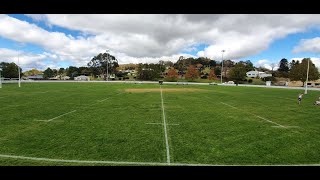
82,78
36,77
260,74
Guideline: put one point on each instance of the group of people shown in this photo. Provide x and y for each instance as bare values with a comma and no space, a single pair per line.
317,102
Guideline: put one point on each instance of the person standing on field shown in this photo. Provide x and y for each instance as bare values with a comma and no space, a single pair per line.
300,98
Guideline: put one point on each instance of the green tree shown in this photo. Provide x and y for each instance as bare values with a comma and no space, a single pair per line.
283,68
32,72
10,70
299,71
212,63
238,72
149,71
104,63
217,70
55,72
48,73
293,63
249,65
72,71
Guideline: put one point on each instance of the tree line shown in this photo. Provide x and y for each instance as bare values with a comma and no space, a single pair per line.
188,68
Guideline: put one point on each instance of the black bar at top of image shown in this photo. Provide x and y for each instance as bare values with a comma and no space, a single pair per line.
159,6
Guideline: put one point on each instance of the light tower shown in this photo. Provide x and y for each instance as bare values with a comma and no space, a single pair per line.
222,65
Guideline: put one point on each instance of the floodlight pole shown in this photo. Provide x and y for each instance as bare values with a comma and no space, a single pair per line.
107,71
222,65
306,90
107,65
19,69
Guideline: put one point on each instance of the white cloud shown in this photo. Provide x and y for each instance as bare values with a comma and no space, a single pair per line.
308,45
37,17
149,38
25,60
267,64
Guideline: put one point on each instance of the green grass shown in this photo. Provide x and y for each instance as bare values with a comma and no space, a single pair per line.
210,130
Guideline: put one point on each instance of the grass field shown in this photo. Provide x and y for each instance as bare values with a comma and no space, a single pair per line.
143,124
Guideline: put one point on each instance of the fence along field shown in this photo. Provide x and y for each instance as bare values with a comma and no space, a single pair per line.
145,124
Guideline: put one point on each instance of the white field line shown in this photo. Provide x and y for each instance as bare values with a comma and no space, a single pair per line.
58,116
133,163
162,124
40,92
289,99
229,105
269,121
75,110
286,127
165,128
104,99
155,123
255,115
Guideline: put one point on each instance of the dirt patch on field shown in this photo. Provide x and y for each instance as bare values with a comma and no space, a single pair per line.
135,90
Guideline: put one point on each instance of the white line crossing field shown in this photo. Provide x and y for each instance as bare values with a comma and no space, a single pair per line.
41,92
132,163
278,125
162,124
107,98
57,116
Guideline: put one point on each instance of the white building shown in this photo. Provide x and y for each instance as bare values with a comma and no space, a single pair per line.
254,74
65,78
82,78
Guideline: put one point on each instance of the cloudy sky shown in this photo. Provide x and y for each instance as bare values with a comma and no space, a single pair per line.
54,41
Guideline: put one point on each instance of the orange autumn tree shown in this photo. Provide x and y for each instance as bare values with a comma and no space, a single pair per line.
172,74
192,73
212,75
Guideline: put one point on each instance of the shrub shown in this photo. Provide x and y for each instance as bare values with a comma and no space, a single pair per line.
250,81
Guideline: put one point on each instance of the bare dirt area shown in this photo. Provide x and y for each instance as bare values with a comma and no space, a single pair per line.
136,90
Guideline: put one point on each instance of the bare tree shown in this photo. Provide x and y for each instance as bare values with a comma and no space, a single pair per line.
273,65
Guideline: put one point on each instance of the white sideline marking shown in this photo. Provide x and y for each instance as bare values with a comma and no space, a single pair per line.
135,163
162,124
165,128
257,116
58,116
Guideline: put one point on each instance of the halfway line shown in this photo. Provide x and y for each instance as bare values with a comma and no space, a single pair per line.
165,128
